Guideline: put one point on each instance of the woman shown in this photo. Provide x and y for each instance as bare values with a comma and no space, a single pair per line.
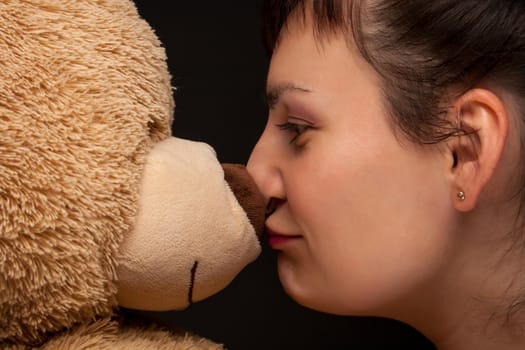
392,162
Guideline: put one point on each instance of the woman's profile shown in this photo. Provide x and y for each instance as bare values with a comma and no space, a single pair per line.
393,163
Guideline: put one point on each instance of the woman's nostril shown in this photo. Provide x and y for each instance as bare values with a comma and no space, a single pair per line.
271,207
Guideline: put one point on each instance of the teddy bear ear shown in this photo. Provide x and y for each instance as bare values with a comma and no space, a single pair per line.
247,193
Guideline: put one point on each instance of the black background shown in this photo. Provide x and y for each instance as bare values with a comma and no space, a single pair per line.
218,64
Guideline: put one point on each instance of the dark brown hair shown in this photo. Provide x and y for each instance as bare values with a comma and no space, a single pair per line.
421,49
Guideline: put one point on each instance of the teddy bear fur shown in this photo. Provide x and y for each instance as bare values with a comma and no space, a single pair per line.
85,94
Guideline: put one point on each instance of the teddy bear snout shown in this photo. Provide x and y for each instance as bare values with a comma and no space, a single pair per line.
247,193
187,212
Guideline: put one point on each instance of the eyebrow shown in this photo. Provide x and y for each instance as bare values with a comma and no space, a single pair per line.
274,92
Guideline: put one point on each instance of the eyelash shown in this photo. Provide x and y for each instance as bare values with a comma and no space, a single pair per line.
297,129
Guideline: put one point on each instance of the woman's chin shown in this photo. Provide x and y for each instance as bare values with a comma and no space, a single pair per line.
299,286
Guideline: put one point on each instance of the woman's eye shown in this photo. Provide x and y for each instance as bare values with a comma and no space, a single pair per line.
296,129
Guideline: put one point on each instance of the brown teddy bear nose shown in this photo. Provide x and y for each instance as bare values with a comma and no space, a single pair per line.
247,194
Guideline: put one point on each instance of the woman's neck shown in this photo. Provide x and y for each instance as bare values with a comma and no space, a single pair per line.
478,299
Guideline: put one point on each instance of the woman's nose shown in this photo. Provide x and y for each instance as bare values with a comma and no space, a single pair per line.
263,166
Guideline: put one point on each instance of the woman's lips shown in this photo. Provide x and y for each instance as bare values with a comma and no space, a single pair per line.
276,239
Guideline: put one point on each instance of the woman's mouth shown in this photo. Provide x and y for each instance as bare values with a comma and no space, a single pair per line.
276,239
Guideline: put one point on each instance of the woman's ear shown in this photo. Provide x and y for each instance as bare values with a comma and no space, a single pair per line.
483,126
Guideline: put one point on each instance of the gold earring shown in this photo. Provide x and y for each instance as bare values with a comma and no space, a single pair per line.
461,195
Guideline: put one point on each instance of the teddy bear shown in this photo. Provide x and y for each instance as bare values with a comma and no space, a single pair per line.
101,207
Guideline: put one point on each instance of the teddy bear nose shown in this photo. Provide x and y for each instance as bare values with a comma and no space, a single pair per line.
247,194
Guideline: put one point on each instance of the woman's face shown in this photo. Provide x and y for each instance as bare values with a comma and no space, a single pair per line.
362,217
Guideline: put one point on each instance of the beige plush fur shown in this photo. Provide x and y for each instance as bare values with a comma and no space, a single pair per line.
84,96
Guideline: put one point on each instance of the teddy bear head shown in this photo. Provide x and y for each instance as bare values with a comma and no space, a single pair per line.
91,179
